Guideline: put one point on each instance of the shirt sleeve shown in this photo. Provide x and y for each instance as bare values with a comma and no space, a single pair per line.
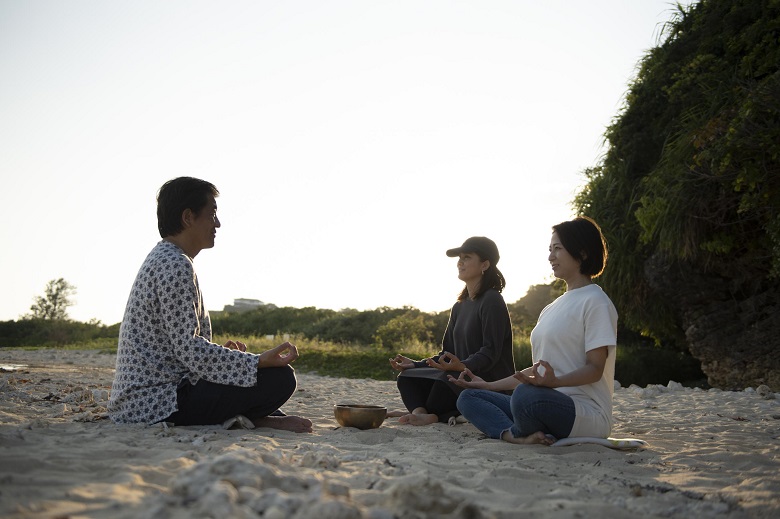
182,310
600,325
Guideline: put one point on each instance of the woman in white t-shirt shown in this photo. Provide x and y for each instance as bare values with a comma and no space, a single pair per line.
568,389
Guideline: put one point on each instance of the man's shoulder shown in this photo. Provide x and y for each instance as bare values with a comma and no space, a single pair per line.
166,256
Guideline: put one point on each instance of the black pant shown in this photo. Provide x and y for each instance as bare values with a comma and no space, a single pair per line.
207,403
436,396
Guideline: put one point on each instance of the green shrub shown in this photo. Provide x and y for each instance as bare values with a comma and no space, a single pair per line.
53,332
411,326
337,359
522,353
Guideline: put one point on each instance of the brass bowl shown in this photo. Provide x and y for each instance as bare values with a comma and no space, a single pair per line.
360,416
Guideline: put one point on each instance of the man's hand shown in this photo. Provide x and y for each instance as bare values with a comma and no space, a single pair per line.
235,345
282,355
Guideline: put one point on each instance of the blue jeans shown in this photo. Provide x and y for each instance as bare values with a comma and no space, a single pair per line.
528,410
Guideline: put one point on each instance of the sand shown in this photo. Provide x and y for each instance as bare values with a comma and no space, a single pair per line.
711,454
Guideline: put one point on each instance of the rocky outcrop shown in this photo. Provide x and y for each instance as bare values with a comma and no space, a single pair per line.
733,331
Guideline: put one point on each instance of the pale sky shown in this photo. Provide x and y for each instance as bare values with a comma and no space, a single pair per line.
353,142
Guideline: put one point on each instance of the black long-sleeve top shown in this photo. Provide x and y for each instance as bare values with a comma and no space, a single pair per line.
479,333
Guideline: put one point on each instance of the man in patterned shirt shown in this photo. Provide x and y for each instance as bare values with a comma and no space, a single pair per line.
167,368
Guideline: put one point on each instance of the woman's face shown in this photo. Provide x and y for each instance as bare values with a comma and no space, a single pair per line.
563,264
470,267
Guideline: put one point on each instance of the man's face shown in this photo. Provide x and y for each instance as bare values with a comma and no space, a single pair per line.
204,227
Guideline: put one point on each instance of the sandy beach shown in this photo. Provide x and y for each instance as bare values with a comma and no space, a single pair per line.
710,454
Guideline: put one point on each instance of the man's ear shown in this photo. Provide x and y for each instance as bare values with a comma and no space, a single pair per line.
187,217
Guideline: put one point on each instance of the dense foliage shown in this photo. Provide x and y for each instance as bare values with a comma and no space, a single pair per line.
691,178
390,328
48,332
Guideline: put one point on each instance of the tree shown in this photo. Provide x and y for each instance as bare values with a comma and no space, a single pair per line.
53,305
688,193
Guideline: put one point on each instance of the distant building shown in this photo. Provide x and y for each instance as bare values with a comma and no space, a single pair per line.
247,303
243,305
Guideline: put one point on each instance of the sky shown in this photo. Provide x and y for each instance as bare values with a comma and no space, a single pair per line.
352,142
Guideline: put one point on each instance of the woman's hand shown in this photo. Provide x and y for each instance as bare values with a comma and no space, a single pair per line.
542,374
235,345
282,355
447,362
400,363
468,379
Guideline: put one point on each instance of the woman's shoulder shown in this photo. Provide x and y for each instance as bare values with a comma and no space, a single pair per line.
597,293
595,297
492,295
492,301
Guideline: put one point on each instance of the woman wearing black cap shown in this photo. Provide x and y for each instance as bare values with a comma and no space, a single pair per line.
478,337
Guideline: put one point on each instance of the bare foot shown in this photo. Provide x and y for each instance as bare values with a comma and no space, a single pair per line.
286,423
418,419
397,413
536,438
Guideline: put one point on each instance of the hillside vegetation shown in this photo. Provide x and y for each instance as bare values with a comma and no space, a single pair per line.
688,193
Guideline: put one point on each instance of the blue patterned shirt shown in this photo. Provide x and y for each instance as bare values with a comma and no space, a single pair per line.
164,338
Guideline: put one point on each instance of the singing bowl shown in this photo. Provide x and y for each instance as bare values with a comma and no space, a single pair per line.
360,416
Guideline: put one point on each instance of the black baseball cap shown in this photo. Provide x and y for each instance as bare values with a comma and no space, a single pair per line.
485,247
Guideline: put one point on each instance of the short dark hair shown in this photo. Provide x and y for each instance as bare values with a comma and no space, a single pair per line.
177,195
582,238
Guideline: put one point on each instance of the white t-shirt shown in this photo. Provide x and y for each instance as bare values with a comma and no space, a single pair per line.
580,320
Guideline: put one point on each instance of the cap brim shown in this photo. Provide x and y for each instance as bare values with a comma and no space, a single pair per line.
458,251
